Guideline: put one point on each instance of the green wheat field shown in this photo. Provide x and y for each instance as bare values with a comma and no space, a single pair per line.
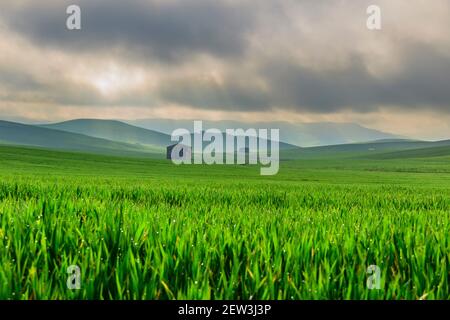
147,229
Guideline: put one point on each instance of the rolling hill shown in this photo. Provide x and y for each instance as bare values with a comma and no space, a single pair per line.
113,130
430,152
93,136
118,138
12,133
374,149
123,132
383,145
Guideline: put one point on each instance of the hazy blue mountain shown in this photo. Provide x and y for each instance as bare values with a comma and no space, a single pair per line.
123,132
300,134
113,130
145,142
12,133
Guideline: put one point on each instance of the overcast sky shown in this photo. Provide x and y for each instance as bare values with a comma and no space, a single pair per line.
258,60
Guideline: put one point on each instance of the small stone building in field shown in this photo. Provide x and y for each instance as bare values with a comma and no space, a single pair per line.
179,152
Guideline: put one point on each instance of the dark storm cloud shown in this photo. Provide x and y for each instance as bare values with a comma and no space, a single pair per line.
422,81
167,30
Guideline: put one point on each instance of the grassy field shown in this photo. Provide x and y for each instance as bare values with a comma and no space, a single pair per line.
146,229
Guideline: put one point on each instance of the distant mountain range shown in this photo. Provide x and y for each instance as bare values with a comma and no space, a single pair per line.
89,135
119,138
302,134
120,131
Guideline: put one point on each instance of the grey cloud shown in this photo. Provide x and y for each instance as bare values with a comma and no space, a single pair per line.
230,95
12,78
171,32
168,31
423,81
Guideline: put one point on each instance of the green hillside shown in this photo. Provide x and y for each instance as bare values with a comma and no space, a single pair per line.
113,130
120,131
20,134
375,148
430,152
117,138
